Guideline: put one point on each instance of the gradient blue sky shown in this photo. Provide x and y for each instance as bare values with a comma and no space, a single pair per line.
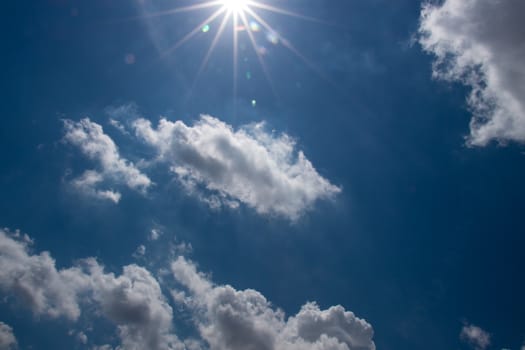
425,237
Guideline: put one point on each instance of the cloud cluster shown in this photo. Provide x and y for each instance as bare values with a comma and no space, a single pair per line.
248,165
35,280
481,44
7,338
475,336
90,138
225,318
230,319
133,301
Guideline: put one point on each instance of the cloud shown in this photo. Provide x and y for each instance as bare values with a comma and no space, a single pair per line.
7,338
133,301
247,165
232,319
90,138
118,125
87,182
475,336
225,318
119,116
480,43
139,252
36,282
154,234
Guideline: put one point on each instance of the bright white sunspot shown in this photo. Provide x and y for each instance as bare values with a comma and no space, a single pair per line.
236,6
246,20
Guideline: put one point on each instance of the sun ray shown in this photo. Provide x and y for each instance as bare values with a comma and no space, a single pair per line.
197,29
235,53
281,11
286,43
243,17
258,53
214,43
210,50
177,10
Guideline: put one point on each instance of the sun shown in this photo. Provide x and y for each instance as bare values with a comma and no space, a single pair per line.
244,18
235,6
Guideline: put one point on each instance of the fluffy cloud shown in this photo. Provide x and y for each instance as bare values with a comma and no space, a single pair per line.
248,165
87,183
475,336
481,44
133,301
7,338
90,138
225,318
234,320
35,280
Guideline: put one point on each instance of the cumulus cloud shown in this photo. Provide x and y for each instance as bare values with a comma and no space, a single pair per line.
481,43
475,336
87,183
243,319
247,165
7,338
133,301
225,318
90,138
36,282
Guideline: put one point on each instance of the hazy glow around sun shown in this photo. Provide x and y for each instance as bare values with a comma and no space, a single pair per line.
246,24
235,6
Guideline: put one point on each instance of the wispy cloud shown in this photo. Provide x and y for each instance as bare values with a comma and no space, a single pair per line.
90,138
475,336
7,338
480,43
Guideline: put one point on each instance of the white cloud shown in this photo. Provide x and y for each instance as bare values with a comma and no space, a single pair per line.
234,320
102,347
133,301
139,252
7,338
118,125
36,282
475,336
481,44
225,318
154,234
80,336
97,146
120,115
248,165
87,183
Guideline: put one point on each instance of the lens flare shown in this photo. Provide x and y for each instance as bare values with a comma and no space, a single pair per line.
244,18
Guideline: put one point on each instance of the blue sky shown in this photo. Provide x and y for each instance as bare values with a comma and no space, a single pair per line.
364,192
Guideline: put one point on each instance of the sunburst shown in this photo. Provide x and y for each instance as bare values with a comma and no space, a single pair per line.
243,16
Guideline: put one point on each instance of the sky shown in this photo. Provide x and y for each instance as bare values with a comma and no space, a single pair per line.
263,175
